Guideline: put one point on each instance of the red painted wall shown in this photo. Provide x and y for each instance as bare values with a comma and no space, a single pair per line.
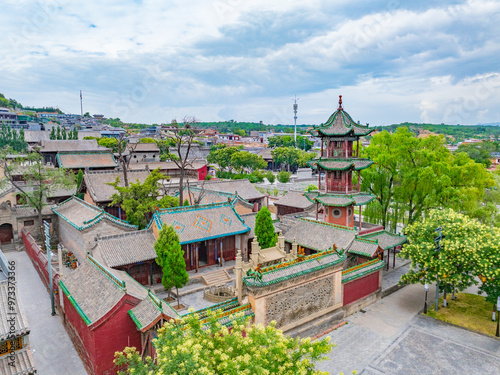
202,173
98,343
361,287
342,219
113,333
81,336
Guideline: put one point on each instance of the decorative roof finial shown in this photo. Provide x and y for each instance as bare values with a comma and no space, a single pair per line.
340,101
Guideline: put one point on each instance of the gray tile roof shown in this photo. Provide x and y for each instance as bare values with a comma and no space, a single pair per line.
295,199
199,223
212,196
8,311
83,215
27,211
244,188
364,247
149,311
70,145
127,248
265,153
249,220
86,160
341,123
23,363
95,289
319,235
385,239
96,182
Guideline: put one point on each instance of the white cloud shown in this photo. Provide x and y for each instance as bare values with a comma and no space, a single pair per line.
151,61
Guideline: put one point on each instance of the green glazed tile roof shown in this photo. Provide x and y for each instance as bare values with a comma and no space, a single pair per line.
385,239
294,270
343,200
340,164
340,123
364,247
362,270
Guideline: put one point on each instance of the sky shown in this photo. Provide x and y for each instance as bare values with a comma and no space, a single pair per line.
155,61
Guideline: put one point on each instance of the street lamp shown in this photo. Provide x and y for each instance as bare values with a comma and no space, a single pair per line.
426,288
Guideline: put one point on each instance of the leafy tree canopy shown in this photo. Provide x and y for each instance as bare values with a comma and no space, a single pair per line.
264,229
186,347
139,200
170,258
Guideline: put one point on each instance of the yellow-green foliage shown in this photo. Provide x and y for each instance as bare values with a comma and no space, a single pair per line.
183,347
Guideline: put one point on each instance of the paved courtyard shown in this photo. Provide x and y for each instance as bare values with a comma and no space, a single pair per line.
391,338
52,348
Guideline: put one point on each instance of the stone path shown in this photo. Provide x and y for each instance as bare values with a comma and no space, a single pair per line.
52,348
391,338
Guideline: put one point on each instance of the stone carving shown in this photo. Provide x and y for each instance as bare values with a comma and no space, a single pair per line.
299,302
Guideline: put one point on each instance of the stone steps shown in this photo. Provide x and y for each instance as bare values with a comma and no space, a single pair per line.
218,277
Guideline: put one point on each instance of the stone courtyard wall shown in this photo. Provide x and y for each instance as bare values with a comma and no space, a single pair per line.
298,300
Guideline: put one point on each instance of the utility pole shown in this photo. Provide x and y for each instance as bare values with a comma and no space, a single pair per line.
81,103
295,107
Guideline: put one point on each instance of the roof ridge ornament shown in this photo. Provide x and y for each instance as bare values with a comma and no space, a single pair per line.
340,102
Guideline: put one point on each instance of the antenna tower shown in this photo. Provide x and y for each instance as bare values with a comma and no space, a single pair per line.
295,107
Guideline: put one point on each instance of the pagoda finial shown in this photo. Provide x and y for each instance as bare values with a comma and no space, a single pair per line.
340,101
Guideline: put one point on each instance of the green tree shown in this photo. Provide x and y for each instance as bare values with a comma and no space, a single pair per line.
64,135
454,264
413,175
488,266
283,177
34,181
53,135
111,143
186,347
10,138
139,201
58,134
311,187
270,177
186,202
291,157
147,140
170,257
79,180
264,229
479,152
288,141
246,161
222,156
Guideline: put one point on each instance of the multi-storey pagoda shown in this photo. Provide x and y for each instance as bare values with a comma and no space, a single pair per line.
338,161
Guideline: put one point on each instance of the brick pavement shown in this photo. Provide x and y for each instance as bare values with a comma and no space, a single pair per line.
391,338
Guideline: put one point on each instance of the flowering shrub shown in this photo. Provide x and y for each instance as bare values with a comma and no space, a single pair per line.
186,346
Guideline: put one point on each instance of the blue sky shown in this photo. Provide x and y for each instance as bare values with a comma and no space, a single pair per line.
154,61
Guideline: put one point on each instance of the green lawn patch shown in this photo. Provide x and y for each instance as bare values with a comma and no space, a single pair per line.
469,311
